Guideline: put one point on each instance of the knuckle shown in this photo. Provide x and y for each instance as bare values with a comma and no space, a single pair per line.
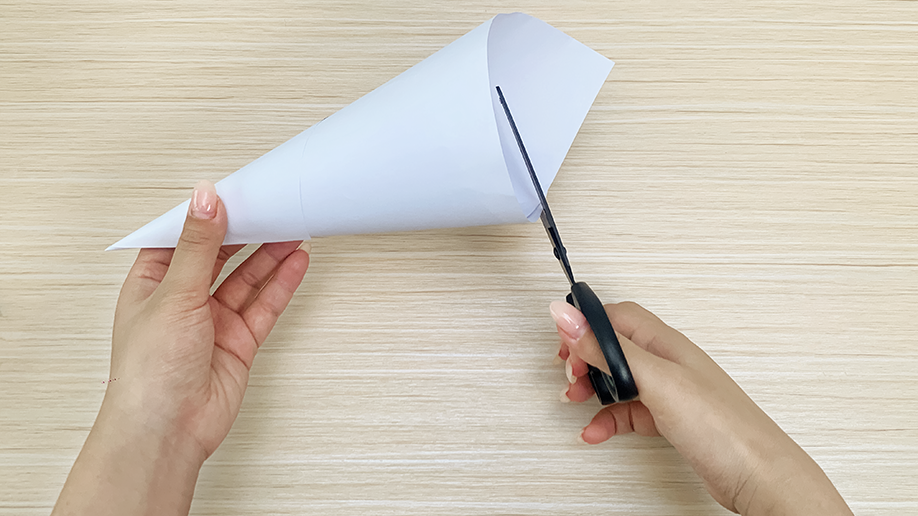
181,299
629,308
629,314
249,278
224,254
195,236
629,305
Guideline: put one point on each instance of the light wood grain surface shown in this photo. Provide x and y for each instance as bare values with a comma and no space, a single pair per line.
748,172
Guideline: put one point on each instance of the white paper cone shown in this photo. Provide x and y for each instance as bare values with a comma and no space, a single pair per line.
431,148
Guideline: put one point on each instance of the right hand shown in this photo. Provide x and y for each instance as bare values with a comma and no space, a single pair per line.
747,463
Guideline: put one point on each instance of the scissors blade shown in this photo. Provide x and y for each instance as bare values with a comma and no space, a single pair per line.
547,220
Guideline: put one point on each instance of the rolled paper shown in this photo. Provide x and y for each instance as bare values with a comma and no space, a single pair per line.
428,149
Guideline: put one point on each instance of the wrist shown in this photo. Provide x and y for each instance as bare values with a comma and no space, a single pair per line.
787,481
144,435
132,465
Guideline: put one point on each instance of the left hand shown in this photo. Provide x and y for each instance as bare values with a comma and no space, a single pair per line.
180,366
182,356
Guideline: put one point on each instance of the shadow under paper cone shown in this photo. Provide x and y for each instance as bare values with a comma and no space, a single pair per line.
431,148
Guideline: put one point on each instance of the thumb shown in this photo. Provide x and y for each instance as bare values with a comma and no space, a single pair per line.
576,333
196,252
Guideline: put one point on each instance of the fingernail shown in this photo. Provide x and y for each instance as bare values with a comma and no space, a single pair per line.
580,438
204,200
569,370
557,360
568,319
564,398
306,246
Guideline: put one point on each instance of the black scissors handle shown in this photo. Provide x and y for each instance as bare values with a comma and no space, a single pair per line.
619,386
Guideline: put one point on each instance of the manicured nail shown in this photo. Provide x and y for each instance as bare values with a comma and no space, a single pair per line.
557,360
568,319
204,200
564,398
306,246
569,371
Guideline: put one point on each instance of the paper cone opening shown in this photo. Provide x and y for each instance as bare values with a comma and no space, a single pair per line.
431,148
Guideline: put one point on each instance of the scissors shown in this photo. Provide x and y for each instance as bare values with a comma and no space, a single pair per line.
619,386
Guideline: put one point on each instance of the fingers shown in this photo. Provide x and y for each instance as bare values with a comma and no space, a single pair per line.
241,287
147,273
232,335
651,372
564,352
241,334
196,253
627,317
151,266
576,336
226,252
619,419
575,367
630,321
578,341
268,305
649,332
579,391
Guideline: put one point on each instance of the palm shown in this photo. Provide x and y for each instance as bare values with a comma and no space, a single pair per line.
214,345
234,350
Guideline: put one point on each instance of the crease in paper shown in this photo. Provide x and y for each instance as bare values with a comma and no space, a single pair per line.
428,149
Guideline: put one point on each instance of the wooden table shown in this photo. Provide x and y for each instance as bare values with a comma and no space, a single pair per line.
748,172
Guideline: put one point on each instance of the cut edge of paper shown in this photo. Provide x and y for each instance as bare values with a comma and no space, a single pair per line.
550,81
